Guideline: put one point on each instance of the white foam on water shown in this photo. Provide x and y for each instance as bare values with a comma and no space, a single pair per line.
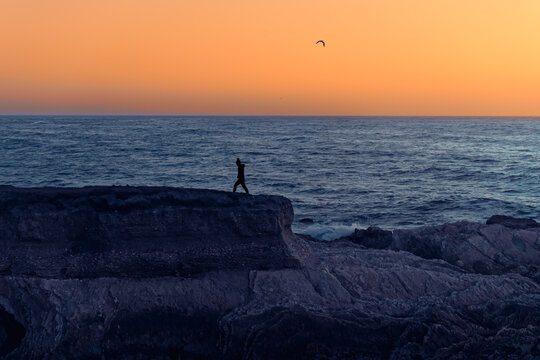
330,231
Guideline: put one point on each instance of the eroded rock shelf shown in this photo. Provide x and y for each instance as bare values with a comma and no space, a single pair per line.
166,273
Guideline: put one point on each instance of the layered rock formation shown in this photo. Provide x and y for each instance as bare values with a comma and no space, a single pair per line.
140,232
161,273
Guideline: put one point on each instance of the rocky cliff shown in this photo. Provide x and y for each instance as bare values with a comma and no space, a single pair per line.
162,273
140,232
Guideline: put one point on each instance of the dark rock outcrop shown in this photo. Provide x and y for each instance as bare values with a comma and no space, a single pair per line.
11,333
513,223
372,237
258,291
140,232
477,248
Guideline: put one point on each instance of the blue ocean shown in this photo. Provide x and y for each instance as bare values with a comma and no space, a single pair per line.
339,172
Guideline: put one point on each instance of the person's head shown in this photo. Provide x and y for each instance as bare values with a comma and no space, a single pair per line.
238,161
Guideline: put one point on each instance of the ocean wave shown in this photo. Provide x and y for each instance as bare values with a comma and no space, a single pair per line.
329,232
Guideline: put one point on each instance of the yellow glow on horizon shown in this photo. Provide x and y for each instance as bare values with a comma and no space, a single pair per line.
390,57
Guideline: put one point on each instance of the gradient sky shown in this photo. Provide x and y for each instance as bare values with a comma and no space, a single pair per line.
386,57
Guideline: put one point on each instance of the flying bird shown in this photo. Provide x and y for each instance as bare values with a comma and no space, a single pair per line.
322,42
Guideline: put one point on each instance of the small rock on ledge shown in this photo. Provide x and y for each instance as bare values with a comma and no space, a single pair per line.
513,223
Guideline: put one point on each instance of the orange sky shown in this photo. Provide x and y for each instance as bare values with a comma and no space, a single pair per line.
388,57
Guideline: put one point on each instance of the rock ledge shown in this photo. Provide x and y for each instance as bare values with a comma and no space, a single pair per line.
163,273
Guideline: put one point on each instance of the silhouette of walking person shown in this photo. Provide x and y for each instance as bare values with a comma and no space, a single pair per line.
241,179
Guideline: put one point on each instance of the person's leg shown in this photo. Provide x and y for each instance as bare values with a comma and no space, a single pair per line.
245,187
238,182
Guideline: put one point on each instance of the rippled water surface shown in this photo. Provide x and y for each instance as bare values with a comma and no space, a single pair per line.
340,172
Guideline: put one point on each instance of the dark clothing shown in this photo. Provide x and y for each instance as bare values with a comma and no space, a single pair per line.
240,182
241,179
241,171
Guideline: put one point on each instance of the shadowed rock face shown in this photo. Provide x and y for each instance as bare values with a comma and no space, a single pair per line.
11,333
140,232
258,291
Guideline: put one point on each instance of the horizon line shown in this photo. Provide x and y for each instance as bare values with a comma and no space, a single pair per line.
261,115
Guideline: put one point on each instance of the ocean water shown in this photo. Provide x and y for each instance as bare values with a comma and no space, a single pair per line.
341,172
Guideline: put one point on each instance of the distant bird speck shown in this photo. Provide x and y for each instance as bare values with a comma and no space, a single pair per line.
322,42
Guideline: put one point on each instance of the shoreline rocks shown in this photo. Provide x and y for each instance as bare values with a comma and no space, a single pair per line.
140,232
372,237
513,223
94,273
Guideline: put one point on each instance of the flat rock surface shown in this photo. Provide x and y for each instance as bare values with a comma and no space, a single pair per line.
462,290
